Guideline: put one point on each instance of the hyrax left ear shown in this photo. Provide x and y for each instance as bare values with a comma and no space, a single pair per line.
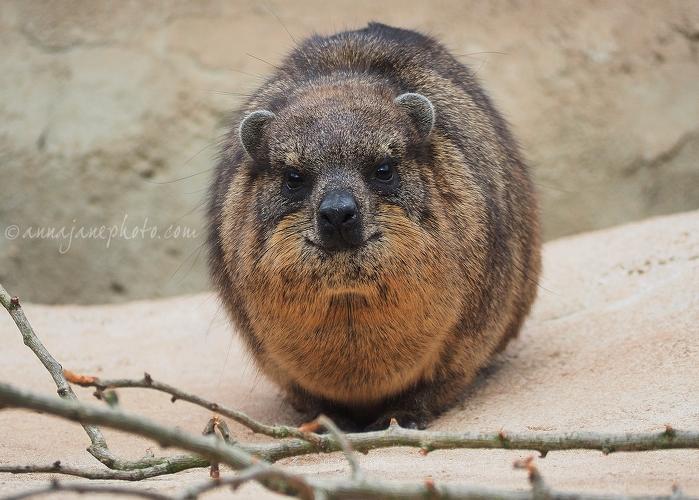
420,110
251,129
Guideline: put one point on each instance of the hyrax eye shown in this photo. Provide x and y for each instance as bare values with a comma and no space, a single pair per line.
384,172
294,181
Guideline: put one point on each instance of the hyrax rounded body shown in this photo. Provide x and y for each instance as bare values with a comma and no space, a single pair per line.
373,232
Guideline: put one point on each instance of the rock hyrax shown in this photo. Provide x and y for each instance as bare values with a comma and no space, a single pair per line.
373,231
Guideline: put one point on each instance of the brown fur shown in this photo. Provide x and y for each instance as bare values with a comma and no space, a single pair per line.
449,255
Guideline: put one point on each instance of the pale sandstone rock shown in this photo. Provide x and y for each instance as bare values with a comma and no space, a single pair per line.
612,346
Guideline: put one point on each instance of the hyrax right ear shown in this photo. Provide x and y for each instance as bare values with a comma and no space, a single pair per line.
420,110
252,128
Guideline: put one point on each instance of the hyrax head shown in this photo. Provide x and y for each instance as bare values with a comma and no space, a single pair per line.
339,168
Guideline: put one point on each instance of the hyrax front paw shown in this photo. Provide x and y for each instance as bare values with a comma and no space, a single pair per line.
405,418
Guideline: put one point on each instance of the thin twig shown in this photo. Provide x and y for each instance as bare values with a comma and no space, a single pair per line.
426,440
210,430
542,442
330,426
174,466
429,441
147,382
52,366
207,446
539,487
81,488
225,432
253,473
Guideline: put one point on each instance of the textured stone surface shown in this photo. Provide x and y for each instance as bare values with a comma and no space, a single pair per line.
612,346
105,106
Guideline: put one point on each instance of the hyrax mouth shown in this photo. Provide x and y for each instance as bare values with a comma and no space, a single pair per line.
345,249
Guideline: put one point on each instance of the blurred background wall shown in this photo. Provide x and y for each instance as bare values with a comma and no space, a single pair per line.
110,114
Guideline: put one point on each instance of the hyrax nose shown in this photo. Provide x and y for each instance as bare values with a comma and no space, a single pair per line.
338,210
338,220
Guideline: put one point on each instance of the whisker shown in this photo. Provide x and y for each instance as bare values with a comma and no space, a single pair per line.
262,60
198,252
181,178
283,25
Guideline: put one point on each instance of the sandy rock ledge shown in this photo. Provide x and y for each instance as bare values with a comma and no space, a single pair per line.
611,346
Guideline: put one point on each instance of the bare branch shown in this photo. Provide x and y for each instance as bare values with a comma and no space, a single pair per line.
438,440
147,382
542,442
173,465
539,488
210,430
256,472
56,486
209,447
427,440
54,367
267,474
330,426
225,432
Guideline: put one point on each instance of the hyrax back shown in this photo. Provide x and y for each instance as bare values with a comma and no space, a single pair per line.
373,230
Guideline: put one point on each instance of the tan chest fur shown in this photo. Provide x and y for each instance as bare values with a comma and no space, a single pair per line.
360,344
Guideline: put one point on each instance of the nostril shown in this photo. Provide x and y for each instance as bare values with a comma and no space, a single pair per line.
350,218
326,219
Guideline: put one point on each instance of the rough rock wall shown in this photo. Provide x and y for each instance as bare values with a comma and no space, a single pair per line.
110,112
